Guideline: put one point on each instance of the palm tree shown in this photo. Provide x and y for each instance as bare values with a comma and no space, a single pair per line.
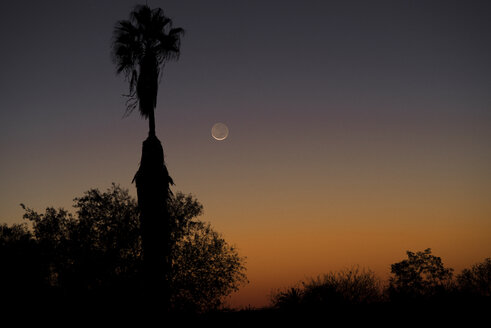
141,47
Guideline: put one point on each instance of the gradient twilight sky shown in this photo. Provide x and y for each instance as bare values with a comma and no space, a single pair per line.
358,129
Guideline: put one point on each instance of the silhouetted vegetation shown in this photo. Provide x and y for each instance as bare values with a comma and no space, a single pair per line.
96,253
141,47
476,281
421,276
347,287
22,269
419,286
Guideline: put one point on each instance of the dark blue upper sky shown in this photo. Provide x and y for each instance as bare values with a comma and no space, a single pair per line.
285,76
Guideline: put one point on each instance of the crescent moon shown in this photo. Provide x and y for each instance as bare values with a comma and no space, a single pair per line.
219,131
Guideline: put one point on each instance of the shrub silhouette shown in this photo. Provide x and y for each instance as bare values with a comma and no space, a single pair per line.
347,287
421,287
289,299
97,252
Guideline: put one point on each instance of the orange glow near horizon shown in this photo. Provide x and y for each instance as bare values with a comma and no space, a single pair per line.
280,260
325,207
289,238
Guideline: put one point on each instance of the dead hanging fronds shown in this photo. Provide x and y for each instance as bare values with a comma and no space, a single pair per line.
131,103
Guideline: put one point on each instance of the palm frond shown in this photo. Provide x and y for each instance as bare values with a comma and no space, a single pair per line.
140,48
126,47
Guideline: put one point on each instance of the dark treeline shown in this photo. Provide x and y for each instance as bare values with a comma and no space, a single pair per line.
91,260
420,279
420,291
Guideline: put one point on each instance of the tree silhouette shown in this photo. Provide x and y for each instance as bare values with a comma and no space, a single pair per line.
476,281
141,47
421,276
96,253
22,269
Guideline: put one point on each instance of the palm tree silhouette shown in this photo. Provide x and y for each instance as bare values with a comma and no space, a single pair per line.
141,47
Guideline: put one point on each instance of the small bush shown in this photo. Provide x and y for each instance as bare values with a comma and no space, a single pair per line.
347,287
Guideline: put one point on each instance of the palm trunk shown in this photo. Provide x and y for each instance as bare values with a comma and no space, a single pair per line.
153,189
151,123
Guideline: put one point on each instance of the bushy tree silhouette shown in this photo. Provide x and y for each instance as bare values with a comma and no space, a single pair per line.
205,268
23,270
96,253
141,47
421,275
476,281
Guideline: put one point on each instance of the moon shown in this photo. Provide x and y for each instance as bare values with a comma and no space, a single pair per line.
219,131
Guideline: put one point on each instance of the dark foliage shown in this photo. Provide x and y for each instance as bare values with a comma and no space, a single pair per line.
422,276
420,286
141,47
476,281
22,269
348,287
96,253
